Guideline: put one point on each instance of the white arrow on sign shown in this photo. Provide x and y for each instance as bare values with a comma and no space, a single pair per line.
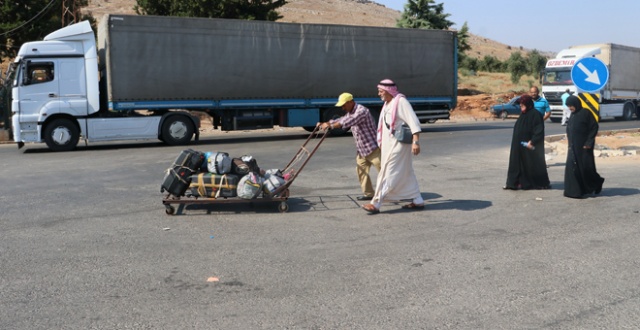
592,77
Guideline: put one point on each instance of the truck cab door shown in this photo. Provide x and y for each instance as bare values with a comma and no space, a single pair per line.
39,90
73,86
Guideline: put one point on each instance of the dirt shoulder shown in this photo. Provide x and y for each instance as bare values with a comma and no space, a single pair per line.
611,146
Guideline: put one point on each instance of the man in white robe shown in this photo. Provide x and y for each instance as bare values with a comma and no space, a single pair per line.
396,180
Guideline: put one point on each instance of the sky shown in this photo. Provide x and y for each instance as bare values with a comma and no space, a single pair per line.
545,25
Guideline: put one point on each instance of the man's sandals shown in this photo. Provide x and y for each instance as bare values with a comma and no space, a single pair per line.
373,210
370,209
413,206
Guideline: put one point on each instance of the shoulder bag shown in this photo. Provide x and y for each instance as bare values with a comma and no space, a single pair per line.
403,135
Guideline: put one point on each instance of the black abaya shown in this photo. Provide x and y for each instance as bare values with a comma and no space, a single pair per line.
527,168
580,176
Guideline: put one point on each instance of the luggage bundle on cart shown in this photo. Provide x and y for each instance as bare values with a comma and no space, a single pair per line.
215,177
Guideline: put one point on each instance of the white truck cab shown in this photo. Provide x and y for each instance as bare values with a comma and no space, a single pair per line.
56,83
56,97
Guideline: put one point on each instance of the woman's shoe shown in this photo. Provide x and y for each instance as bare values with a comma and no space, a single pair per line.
599,189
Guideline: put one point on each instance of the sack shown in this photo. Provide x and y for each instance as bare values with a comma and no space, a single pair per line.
250,186
219,163
403,135
244,165
205,163
272,180
213,185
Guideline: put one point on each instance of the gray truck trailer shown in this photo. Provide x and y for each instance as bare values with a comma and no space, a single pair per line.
264,73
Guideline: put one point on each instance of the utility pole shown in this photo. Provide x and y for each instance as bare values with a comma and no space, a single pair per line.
70,12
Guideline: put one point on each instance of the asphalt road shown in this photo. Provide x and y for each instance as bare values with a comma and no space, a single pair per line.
85,243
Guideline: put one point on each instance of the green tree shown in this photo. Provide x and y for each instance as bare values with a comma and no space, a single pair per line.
424,14
463,42
490,64
26,20
470,63
536,63
517,66
264,10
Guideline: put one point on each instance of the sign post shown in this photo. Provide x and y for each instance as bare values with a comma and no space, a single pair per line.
590,75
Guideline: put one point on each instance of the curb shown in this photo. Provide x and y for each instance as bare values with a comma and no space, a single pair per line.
558,137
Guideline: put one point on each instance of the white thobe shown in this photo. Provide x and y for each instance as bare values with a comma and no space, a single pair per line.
397,180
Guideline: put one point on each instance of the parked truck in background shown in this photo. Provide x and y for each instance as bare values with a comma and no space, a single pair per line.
144,72
620,96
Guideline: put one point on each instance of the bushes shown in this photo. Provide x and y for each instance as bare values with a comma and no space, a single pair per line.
517,65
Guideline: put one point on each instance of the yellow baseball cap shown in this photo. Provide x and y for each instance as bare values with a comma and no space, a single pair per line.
344,98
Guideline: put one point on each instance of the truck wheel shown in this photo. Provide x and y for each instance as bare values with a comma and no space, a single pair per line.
627,111
504,114
61,135
309,128
334,113
177,130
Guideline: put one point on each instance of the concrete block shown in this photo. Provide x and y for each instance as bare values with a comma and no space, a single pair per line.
4,136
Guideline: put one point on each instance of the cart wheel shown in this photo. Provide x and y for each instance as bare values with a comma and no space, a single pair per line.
169,210
283,207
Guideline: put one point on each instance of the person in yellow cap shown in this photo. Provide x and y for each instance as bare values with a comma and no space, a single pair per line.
364,131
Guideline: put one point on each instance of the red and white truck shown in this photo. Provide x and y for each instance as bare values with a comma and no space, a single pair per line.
619,98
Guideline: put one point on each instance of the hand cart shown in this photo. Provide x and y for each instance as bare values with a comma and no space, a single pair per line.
281,194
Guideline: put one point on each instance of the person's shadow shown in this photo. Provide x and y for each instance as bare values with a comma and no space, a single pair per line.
618,192
605,191
433,202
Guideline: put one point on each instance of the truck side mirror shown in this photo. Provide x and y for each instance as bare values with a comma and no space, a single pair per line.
25,77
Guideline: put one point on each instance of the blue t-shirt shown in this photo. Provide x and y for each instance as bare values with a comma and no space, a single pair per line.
541,105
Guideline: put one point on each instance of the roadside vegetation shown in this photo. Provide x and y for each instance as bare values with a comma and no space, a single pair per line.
493,82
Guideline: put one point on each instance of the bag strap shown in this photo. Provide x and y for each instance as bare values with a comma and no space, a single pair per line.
222,179
384,118
393,130
202,191
253,175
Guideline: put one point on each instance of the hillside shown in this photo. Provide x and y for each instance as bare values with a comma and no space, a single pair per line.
348,12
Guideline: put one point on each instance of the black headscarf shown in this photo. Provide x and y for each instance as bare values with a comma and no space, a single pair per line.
527,101
574,101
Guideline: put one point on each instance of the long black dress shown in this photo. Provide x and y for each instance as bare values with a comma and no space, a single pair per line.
580,176
527,168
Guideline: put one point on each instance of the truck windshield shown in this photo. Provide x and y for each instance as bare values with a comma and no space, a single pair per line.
557,77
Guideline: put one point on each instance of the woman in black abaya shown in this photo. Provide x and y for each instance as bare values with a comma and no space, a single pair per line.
580,176
527,167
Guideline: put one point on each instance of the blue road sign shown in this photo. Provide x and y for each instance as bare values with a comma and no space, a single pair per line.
590,74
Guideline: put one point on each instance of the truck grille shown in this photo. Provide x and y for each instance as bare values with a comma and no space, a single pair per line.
554,98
